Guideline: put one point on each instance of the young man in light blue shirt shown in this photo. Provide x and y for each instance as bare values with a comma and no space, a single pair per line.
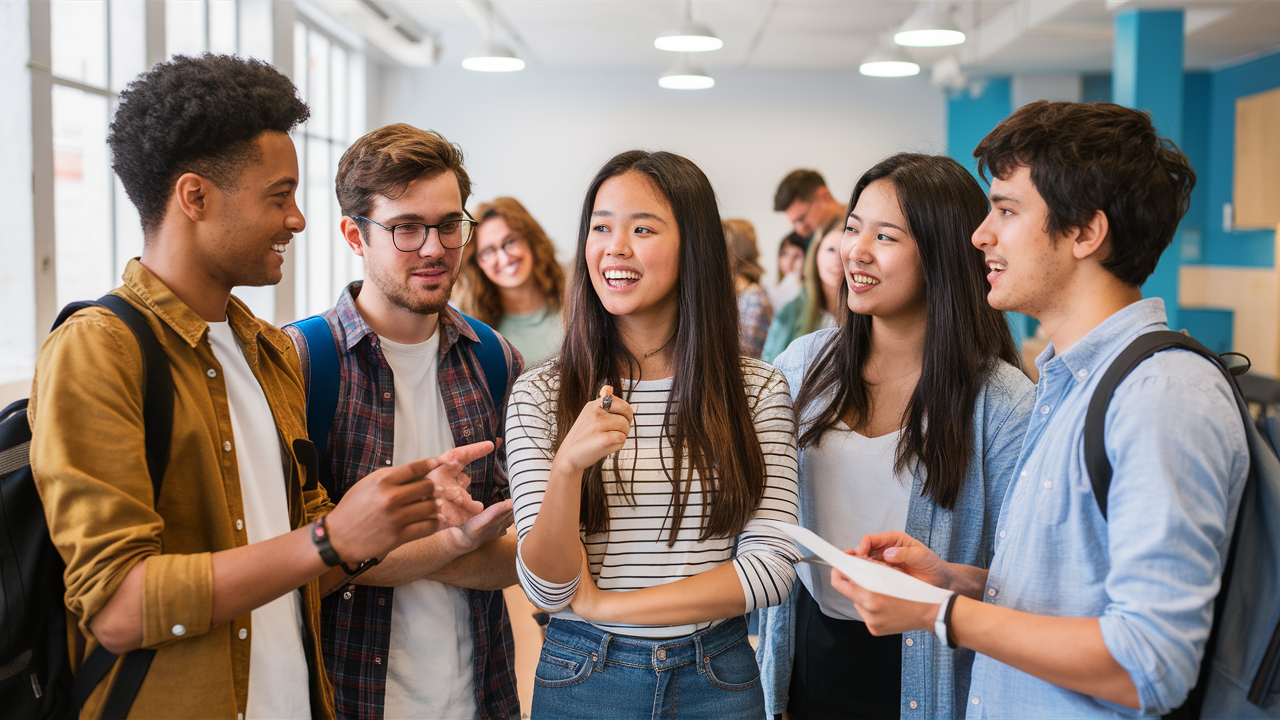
1083,615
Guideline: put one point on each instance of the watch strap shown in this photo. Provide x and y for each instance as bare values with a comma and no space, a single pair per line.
320,537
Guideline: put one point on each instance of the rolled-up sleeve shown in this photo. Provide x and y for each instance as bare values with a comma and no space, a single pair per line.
88,457
765,557
1171,507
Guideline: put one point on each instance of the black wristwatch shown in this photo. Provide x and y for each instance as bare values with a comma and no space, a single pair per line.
320,536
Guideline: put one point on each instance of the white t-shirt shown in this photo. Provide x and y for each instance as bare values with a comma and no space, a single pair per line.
278,682
851,490
429,671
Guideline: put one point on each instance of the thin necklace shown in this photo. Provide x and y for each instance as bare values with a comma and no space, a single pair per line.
659,349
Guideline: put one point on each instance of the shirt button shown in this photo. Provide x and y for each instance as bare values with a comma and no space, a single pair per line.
1002,534
1082,374
1048,484
388,461
239,716
910,642
386,396
211,372
1044,409
244,633
226,446
991,592
913,704
239,524
1024,473
346,595
662,654
466,432
975,701
378,661
179,630
382,601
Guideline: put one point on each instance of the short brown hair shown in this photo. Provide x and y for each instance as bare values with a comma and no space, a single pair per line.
385,161
797,185
1086,157
480,295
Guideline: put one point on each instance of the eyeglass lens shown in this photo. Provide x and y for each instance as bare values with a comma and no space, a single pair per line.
409,237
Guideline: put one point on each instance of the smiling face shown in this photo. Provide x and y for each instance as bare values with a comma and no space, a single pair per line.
503,255
830,264
253,224
1027,270
790,259
633,248
881,259
419,281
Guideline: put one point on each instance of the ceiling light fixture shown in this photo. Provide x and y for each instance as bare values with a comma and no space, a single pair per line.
889,61
689,37
930,25
684,75
492,56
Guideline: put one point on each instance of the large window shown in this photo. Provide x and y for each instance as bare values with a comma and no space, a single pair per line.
330,76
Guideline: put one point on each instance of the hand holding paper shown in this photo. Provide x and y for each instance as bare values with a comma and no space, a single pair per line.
870,575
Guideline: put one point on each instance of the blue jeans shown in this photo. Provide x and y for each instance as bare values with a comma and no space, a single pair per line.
585,672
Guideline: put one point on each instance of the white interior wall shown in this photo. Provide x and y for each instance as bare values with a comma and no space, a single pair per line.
541,134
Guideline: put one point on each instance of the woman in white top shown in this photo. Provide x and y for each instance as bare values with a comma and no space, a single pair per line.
642,514
912,415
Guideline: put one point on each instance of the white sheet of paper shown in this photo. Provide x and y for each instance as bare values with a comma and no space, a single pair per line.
870,575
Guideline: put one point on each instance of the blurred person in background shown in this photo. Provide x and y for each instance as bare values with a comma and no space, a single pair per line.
754,310
786,286
816,306
512,280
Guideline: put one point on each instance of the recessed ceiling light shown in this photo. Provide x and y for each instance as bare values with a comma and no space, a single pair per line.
684,75
492,57
929,26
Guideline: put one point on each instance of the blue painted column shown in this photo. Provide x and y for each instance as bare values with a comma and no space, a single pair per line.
1147,75
969,119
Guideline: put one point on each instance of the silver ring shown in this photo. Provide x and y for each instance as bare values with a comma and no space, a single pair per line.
606,402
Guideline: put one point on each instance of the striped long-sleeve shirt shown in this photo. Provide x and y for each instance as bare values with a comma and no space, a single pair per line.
634,553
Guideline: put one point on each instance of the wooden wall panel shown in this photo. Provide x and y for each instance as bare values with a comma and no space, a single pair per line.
1257,172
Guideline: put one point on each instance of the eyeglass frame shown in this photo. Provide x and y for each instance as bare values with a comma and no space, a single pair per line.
515,241
426,232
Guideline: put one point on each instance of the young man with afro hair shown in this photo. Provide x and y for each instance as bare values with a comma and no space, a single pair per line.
221,573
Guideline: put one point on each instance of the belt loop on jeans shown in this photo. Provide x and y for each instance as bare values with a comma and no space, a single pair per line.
603,652
698,658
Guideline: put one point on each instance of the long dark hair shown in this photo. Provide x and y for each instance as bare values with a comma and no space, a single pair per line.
711,433
964,337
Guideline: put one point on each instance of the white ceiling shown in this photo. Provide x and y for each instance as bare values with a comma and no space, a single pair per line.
1011,36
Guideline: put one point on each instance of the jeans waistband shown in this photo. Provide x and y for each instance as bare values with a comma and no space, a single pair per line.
659,653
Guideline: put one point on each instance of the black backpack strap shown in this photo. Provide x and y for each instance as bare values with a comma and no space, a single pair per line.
157,418
1143,347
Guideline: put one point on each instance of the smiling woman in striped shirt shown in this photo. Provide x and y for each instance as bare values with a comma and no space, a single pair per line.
639,513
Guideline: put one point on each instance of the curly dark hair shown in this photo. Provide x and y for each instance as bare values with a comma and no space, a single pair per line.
198,115
1086,157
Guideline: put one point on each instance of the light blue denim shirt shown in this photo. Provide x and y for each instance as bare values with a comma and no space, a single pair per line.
1149,571
935,679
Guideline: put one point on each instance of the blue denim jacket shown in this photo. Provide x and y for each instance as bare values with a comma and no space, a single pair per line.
935,680
1151,569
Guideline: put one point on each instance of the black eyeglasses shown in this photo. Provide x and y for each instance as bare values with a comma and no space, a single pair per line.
486,255
410,237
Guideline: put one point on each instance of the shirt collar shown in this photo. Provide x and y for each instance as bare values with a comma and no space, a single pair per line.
452,323
1108,338
185,322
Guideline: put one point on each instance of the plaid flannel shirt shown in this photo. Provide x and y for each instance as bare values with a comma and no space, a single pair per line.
356,620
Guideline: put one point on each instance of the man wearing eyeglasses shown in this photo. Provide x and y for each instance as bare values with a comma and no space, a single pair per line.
427,636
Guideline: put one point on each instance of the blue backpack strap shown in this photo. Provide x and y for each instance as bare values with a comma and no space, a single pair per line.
323,373
493,361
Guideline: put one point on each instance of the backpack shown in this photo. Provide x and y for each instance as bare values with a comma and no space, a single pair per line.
323,372
35,670
1238,670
